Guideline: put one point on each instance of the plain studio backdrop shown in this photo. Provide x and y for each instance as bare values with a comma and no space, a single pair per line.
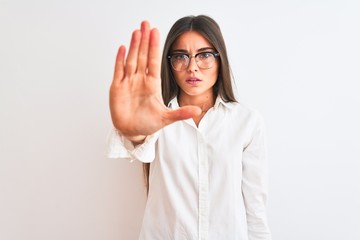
296,61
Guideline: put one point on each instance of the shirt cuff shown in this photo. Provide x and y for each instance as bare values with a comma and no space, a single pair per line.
120,147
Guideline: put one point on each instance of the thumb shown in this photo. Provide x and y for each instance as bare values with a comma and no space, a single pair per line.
182,113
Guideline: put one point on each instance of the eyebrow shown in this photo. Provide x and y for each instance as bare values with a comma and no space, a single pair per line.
199,50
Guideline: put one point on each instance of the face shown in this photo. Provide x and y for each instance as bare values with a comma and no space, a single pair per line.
195,81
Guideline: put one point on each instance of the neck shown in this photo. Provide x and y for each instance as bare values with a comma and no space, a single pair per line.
204,102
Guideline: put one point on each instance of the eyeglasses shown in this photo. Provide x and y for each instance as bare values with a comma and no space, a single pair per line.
204,60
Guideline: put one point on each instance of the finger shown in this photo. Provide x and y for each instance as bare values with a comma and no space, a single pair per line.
131,60
119,65
144,47
182,113
154,58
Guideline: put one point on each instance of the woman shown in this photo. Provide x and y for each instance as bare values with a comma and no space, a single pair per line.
208,176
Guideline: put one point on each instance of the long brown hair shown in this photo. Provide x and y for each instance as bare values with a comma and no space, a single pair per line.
210,30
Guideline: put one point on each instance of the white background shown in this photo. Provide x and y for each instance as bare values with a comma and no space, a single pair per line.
296,61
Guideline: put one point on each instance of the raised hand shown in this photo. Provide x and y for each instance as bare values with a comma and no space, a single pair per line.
136,103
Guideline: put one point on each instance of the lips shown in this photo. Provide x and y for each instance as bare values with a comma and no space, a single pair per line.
193,81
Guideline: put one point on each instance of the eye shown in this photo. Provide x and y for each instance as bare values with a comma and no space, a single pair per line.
179,57
205,55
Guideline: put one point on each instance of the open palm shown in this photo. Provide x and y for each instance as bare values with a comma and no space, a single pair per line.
136,103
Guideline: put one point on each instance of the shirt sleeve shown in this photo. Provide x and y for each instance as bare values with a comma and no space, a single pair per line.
255,183
120,147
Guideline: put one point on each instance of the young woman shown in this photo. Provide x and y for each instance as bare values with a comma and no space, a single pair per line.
208,173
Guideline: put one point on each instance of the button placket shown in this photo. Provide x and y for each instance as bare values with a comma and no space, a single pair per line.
203,188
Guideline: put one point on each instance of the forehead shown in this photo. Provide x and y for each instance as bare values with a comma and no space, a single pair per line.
191,41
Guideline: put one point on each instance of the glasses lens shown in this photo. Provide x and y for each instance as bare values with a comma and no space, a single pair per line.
205,60
179,61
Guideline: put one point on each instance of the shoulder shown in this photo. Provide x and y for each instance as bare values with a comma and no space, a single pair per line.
244,109
245,114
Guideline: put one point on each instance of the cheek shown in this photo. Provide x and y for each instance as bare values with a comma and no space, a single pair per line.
177,77
214,75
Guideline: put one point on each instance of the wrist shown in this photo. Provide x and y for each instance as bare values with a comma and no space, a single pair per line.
136,140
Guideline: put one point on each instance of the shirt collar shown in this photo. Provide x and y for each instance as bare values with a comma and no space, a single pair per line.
174,104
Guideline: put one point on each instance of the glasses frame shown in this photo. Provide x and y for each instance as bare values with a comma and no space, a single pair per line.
189,56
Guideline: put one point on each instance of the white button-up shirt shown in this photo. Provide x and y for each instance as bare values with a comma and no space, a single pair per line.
207,182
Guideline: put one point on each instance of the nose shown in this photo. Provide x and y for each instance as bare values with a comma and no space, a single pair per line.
193,67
